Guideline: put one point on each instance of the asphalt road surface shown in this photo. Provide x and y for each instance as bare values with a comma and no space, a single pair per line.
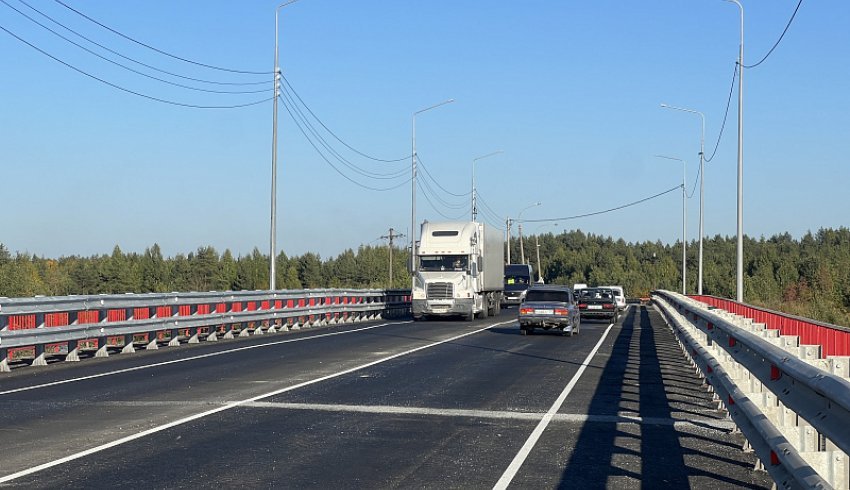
440,404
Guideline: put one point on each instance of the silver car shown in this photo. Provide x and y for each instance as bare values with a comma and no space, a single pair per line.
549,307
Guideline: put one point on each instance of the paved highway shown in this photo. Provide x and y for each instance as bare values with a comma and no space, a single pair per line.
389,404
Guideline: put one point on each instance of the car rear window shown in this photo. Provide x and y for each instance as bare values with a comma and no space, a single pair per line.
559,296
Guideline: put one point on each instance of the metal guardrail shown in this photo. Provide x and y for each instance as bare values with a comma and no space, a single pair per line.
792,405
33,329
834,339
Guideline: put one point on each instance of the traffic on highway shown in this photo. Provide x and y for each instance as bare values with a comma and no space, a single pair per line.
382,404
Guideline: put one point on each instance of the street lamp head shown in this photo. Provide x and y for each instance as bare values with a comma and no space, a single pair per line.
488,155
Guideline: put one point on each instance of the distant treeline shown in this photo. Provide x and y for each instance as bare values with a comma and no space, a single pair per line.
808,277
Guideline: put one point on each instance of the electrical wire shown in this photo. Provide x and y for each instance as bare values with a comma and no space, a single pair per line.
437,210
600,212
116,53
726,114
421,163
442,201
486,207
354,167
212,67
355,150
490,219
127,67
780,37
696,181
139,94
346,177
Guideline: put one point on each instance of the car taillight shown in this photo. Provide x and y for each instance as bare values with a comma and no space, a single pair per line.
582,305
526,311
562,312
608,306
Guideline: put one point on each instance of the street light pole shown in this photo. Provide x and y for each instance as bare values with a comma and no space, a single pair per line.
508,223
684,223
519,227
474,208
701,185
740,269
537,243
273,213
413,185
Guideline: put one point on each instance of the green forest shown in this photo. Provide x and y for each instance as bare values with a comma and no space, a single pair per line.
809,277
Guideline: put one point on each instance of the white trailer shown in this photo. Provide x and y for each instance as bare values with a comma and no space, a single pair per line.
460,270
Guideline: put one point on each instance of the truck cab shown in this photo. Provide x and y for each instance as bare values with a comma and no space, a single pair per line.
518,278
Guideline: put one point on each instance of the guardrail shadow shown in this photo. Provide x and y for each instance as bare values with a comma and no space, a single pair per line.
647,376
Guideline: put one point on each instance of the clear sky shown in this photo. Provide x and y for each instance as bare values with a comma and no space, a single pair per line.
569,90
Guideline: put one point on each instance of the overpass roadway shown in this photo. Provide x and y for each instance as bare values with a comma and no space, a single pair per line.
446,404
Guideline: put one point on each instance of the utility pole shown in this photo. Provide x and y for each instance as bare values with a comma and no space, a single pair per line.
392,236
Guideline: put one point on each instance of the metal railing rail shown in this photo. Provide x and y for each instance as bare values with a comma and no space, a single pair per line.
103,322
794,414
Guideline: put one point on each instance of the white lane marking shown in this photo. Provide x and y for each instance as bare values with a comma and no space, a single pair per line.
232,405
523,453
193,358
712,423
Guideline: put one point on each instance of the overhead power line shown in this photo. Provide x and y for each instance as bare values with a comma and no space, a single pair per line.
133,70
425,168
325,158
140,63
725,114
212,67
435,208
542,220
123,89
288,99
355,150
780,37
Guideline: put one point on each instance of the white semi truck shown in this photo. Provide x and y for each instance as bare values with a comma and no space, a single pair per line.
459,270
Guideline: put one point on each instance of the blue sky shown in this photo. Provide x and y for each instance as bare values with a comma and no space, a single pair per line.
569,90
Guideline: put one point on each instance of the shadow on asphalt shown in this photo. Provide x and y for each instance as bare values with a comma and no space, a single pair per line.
655,381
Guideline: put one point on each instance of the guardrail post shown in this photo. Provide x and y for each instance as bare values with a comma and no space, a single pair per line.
4,360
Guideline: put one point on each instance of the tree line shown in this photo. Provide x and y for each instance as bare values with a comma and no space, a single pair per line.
808,277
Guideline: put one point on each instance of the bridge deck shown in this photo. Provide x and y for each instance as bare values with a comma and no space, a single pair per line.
362,408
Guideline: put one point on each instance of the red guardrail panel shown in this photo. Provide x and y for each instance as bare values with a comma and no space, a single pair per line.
22,322
87,317
834,341
56,319
116,315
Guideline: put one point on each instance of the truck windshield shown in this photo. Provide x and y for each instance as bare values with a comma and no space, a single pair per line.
430,263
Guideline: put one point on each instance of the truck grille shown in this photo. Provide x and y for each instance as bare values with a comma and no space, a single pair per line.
440,290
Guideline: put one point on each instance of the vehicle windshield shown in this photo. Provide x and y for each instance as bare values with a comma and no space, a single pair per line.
432,263
551,296
596,294
511,280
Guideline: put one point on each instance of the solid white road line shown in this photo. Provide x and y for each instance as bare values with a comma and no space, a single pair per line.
232,405
623,418
194,358
523,453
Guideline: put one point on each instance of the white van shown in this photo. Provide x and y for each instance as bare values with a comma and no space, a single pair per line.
579,285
